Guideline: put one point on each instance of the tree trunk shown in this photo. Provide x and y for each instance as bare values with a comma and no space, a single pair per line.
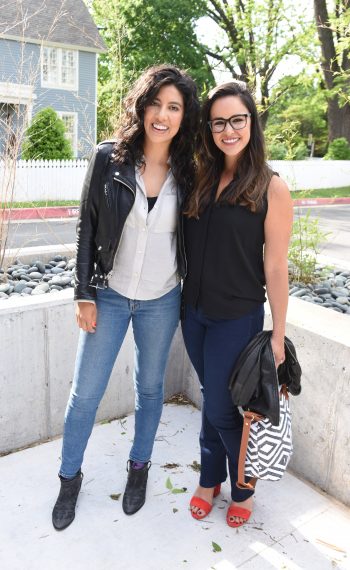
338,117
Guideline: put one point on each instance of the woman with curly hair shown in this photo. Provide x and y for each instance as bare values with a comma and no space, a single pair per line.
237,227
130,260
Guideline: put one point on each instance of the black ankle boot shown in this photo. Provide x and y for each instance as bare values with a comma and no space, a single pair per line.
135,490
64,510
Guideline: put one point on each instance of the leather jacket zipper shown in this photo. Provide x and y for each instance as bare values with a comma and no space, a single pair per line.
110,273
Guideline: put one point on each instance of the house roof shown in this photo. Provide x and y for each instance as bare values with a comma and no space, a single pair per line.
65,22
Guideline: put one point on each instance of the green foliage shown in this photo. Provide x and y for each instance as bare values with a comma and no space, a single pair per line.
141,33
216,547
258,35
277,151
304,247
286,143
172,489
45,138
339,149
302,101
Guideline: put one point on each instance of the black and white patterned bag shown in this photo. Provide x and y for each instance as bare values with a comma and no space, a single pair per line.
265,449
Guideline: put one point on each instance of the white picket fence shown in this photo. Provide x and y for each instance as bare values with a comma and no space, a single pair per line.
313,173
63,179
47,179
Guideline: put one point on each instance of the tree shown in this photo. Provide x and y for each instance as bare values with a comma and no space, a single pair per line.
141,33
333,33
45,138
300,100
258,35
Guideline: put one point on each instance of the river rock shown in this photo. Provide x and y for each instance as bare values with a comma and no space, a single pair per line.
38,291
32,284
35,275
343,300
340,292
20,286
71,264
300,293
57,270
27,291
4,287
43,286
40,265
322,290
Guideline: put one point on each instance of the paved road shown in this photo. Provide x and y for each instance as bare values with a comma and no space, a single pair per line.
335,219
41,232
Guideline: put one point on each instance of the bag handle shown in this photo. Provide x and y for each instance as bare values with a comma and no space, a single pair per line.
248,418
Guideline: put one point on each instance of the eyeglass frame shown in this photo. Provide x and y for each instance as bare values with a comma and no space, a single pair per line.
246,115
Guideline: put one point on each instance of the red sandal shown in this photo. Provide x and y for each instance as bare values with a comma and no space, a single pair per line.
234,511
202,504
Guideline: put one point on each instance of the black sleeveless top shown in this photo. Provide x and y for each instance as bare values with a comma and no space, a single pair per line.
224,250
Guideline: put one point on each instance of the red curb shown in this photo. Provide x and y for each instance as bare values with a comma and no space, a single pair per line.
73,211
320,201
42,213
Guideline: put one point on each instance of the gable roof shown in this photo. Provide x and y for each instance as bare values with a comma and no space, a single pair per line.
65,22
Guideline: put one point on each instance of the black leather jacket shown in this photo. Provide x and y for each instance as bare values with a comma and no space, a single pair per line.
255,382
107,198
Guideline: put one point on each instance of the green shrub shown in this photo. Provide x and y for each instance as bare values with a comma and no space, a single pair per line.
277,151
300,151
339,149
45,138
304,247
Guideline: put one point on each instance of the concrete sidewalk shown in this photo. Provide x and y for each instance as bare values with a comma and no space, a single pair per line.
293,525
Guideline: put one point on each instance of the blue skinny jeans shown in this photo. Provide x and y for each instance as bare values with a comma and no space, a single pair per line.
213,346
154,323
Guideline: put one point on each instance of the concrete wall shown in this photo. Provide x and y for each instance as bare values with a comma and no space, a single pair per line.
37,353
321,413
37,350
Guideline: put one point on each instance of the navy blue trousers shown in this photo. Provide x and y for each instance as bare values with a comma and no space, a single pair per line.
213,346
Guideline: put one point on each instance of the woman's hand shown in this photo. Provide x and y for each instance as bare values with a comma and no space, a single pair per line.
86,315
277,345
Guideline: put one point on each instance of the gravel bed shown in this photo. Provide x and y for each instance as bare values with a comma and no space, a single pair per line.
37,278
331,289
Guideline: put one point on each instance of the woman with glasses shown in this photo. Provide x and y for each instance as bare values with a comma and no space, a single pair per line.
130,260
237,226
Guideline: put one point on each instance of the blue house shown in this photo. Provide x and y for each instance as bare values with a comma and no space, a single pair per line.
48,58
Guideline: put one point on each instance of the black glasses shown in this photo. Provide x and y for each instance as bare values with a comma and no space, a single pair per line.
237,122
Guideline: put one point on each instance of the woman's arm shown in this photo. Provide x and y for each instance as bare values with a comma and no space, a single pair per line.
278,227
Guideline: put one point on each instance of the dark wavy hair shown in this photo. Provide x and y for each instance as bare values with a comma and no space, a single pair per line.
130,133
252,176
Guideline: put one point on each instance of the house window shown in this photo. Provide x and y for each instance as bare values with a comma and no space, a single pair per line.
59,68
71,123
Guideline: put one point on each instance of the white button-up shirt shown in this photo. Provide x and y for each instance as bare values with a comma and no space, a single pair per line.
145,264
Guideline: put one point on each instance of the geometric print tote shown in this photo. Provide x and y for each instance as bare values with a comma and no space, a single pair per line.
265,449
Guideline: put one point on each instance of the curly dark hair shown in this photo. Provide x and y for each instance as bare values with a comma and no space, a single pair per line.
253,174
130,133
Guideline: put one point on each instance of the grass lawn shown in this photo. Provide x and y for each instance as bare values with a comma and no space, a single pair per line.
322,193
45,203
